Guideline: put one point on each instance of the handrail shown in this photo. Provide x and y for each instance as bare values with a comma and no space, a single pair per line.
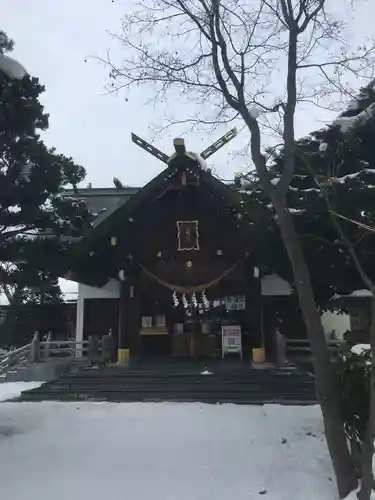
93,350
307,341
294,345
64,342
15,358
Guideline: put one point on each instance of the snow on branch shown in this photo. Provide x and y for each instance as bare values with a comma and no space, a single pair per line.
344,178
296,211
348,123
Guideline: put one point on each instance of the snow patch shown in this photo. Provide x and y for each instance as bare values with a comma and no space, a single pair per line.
206,372
353,105
360,349
302,191
347,123
296,210
354,495
344,178
12,68
15,209
194,156
360,293
155,450
323,146
356,294
248,192
254,113
275,181
13,390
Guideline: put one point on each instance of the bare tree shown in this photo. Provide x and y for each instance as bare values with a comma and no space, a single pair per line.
367,451
230,58
328,192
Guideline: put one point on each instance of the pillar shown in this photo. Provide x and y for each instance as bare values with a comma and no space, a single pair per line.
80,311
254,312
129,321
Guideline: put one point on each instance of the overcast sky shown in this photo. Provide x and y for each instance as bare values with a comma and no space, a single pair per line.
54,37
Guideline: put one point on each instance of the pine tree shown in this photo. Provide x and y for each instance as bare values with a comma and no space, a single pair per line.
35,217
341,159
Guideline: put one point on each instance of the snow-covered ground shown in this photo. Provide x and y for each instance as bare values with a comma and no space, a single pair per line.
12,390
145,451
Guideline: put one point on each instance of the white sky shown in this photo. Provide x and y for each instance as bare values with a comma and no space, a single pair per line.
53,38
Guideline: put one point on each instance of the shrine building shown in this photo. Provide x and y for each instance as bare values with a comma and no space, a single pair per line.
168,266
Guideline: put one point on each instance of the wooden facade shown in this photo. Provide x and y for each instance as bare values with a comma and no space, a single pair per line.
176,248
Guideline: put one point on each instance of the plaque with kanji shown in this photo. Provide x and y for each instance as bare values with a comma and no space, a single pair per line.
188,235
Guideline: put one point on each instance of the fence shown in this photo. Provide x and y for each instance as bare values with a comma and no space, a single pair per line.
302,347
91,351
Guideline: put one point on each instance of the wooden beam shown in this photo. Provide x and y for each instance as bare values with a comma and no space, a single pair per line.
150,149
219,144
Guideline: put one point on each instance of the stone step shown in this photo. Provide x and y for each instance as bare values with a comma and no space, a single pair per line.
180,390
195,379
127,385
173,388
156,377
233,397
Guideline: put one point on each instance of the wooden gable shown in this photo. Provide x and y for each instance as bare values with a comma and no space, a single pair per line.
144,231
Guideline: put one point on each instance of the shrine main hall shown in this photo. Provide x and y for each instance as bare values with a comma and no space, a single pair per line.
168,268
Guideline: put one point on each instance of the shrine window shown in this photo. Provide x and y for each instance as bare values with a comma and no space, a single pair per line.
188,235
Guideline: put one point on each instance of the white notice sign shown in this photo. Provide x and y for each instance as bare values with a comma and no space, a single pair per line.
231,340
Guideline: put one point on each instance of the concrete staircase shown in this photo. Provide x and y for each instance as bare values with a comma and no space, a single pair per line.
178,383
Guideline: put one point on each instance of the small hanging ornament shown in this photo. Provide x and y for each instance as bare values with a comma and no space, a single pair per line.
194,300
205,301
176,302
185,301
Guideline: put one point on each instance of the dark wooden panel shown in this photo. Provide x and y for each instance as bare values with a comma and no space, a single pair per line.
101,315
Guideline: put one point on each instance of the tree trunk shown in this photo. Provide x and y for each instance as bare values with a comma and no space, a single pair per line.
326,387
368,445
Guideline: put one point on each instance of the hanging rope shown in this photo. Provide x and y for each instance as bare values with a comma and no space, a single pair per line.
190,289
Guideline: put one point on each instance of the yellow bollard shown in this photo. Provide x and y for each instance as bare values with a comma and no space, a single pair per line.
123,356
259,355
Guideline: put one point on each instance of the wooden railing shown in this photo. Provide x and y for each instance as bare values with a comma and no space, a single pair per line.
92,351
15,359
303,346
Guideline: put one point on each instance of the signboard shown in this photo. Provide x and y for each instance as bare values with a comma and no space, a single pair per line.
146,321
235,303
231,340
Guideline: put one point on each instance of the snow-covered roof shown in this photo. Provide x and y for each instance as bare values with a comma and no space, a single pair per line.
363,293
193,156
201,162
360,349
103,201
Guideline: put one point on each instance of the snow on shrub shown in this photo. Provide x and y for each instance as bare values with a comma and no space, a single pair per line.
352,369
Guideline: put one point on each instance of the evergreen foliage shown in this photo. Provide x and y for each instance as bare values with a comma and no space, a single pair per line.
36,219
340,160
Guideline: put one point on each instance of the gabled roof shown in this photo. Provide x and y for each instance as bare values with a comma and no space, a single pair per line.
121,201
102,202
